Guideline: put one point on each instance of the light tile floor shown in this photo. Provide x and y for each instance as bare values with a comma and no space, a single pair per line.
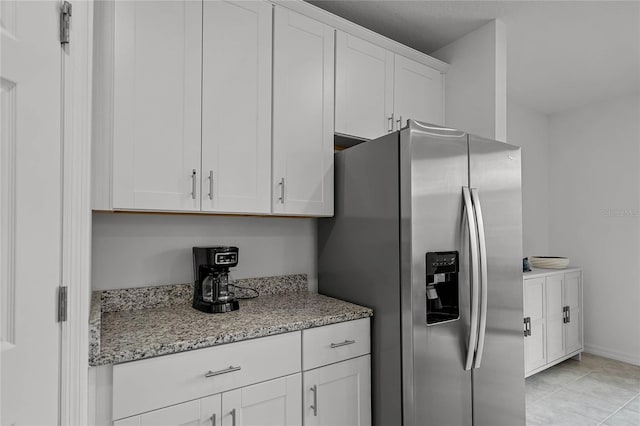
594,391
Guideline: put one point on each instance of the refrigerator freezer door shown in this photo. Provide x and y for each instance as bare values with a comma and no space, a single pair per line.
433,170
498,383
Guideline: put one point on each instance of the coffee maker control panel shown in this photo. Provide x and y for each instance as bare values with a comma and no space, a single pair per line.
221,259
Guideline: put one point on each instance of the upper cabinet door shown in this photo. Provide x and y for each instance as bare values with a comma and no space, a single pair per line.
236,106
364,88
156,140
303,106
418,93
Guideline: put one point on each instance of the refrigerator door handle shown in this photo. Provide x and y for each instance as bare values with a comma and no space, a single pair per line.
483,275
473,243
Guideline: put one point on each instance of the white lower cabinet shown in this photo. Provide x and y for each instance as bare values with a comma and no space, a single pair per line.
205,411
338,394
258,382
276,402
552,317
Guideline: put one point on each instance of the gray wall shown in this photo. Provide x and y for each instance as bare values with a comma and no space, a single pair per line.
136,250
594,217
529,129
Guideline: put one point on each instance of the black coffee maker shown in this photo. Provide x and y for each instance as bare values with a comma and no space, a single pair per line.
211,291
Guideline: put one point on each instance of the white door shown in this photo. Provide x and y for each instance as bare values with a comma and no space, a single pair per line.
273,403
30,225
303,87
338,394
534,345
417,93
573,327
554,316
364,88
157,96
199,412
236,107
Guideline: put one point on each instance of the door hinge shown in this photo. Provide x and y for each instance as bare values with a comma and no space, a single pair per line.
65,22
62,304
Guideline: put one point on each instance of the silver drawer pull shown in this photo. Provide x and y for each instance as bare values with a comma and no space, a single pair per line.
314,407
345,343
231,369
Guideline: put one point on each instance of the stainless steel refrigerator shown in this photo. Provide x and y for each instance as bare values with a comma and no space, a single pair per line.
428,232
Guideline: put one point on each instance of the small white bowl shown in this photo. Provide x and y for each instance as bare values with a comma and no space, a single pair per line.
549,262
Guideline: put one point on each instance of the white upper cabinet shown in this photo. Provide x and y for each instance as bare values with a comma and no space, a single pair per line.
156,115
236,107
377,90
303,105
418,93
364,87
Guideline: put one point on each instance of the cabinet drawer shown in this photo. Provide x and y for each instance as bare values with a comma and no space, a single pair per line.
336,342
146,385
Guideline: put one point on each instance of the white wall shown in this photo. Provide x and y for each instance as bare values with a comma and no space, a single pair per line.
529,130
594,217
136,250
476,83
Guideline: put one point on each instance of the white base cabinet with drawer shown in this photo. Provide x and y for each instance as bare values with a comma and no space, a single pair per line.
552,317
257,382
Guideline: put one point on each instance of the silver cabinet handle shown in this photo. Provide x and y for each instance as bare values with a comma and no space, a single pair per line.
399,122
390,123
314,407
526,328
564,314
483,275
233,417
211,184
568,314
231,369
345,343
473,242
213,419
281,198
193,184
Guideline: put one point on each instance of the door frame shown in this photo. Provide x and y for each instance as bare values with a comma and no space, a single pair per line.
76,215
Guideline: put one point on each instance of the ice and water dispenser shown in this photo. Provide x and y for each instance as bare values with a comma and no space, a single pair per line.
442,287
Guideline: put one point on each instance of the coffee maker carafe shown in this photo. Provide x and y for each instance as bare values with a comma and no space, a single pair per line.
211,291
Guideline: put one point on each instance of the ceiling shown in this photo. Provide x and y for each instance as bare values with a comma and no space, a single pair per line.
560,54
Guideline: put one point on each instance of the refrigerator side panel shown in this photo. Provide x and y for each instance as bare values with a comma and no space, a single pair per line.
434,168
498,384
358,259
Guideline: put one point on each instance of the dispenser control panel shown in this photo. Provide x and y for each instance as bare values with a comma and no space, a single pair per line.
441,283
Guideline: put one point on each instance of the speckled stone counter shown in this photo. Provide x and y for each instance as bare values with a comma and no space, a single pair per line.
127,335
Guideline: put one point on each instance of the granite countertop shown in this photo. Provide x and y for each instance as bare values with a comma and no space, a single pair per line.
133,334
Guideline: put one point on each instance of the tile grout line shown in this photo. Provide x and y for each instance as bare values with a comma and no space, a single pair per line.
561,387
619,408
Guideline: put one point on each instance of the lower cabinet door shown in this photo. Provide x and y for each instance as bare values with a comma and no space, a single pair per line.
554,317
200,412
273,403
338,394
572,300
534,345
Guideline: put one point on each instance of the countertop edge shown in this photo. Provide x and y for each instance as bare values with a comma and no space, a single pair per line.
540,272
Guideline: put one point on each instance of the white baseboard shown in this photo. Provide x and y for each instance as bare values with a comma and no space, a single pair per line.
608,353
